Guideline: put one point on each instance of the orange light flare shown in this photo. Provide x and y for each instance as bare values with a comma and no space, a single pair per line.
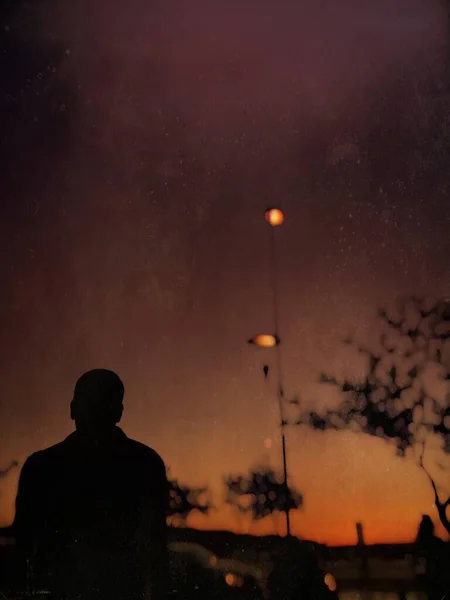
233,580
330,582
274,216
264,340
212,561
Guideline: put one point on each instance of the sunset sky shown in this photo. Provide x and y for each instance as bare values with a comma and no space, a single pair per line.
141,143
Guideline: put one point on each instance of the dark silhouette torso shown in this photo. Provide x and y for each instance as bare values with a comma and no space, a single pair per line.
95,515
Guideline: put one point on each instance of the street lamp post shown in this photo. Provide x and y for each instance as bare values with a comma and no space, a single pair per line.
275,218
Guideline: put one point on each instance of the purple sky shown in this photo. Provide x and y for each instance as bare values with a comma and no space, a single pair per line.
132,231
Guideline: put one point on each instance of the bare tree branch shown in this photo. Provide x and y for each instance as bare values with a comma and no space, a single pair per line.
260,493
436,495
391,401
5,472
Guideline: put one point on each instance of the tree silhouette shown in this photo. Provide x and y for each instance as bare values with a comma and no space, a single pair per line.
5,472
404,396
260,493
185,500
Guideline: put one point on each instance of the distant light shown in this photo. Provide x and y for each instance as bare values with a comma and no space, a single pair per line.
274,216
330,582
264,340
233,580
212,561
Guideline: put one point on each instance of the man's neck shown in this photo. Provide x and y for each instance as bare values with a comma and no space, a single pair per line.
97,437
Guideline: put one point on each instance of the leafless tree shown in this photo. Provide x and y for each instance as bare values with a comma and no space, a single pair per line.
5,472
404,394
260,493
184,500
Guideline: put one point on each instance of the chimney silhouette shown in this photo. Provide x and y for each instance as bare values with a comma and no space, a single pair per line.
359,533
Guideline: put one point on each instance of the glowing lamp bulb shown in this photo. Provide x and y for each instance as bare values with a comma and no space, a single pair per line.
274,216
264,340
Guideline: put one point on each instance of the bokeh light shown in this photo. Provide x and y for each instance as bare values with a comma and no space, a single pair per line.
274,216
212,561
264,340
233,580
330,582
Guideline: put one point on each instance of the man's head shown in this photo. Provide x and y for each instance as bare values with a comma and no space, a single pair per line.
97,403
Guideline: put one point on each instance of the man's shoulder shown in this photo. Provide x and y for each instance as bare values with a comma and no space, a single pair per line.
49,453
43,458
144,453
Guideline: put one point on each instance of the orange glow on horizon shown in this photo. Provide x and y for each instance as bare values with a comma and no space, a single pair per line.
341,532
341,483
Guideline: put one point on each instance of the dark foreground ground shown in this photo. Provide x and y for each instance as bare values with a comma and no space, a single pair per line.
215,565
221,565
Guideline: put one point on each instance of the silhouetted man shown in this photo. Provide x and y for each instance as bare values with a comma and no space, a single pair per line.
91,511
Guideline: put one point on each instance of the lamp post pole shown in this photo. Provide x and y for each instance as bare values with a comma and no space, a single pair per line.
277,219
274,218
